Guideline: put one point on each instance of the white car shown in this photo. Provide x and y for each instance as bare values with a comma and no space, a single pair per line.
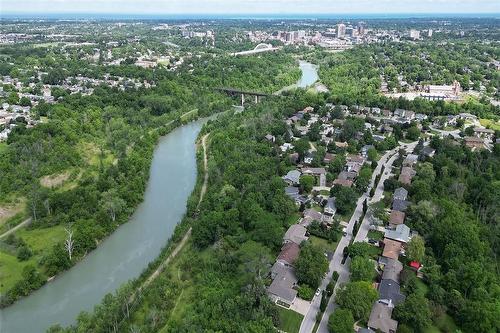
318,292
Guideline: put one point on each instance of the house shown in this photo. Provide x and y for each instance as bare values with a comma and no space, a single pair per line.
270,138
343,182
289,253
410,160
409,115
400,194
286,146
406,175
484,133
281,291
392,269
365,149
347,175
328,158
400,234
293,193
399,113
341,144
474,142
294,158
400,205
428,152
396,218
392,249
390,291
311,215
308,158
380,318
296,233
292,177
314,171
330,207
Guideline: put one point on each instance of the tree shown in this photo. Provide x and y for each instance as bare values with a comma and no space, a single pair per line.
345,198
301,147
69,242
415,249
307,183
359,249
112,203
372,154
414,312
311,265
341,321
413,133
362,269
358,297
363,179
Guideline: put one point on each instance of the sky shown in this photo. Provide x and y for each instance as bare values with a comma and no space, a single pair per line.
294,7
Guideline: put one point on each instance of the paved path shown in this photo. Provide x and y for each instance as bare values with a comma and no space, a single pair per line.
19,226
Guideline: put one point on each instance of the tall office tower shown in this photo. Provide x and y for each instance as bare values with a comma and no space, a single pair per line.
340,30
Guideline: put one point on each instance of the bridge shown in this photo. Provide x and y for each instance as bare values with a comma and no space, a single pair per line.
243,93
262,47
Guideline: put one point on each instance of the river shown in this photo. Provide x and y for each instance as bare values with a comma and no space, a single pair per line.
129,250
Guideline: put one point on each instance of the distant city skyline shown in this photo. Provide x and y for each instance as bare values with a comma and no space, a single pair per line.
248,7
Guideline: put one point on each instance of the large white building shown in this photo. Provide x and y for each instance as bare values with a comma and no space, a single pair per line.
341,30
414,34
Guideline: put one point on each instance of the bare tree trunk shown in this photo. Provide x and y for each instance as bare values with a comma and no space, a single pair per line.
69,243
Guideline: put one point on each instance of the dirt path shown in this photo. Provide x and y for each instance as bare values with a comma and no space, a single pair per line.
205,168
20,225
186,237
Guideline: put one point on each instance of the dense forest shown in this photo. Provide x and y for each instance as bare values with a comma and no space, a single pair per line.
101,146
455,208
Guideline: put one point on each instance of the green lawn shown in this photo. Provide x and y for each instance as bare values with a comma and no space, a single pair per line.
293,219
494,125
41,240
323,243
10,270
289,320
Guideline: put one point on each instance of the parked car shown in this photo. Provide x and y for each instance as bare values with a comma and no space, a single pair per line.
318,292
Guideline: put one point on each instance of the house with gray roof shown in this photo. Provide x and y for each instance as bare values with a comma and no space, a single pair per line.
292,177
296,233
380,318
330,207
400,234
392,269
400,205
390,291
282,290
400,194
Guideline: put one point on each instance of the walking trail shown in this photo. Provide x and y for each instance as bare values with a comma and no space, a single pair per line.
186,237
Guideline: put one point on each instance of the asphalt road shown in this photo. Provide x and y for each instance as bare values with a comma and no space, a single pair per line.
336,263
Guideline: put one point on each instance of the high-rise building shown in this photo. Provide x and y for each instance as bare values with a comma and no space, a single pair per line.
289,37
340,30
349,31
414,34
361,29
429,33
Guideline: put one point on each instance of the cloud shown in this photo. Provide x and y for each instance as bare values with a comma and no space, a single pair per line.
248,6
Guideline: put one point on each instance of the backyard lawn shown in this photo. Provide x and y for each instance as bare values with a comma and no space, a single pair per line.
289,320
494,125
323,243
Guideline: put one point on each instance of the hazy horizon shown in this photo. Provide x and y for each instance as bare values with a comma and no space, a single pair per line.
197,8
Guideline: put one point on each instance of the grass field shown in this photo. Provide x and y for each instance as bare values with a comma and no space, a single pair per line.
494,125
10,270
323,243
289,320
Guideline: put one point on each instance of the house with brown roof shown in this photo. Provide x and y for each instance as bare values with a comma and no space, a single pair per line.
343,182
289,253
474,142
296,233
406,175
392,248
396,218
